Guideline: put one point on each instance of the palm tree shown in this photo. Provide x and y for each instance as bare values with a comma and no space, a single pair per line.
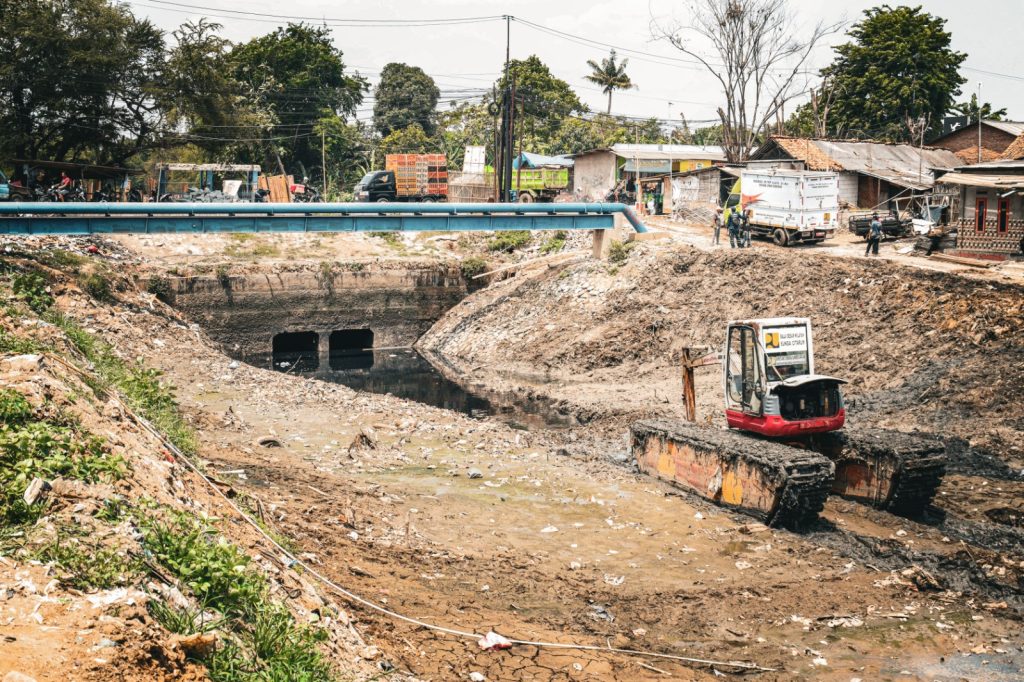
610,76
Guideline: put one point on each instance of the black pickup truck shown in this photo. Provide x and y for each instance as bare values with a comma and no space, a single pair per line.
892,225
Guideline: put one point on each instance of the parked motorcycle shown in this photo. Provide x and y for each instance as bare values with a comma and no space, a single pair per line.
304,193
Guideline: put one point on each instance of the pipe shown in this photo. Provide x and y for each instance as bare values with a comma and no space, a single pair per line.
171,208
633,218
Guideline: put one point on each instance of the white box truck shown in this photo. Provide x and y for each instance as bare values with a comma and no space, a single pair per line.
791,207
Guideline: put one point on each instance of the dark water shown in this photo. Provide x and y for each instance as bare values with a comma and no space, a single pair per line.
404,373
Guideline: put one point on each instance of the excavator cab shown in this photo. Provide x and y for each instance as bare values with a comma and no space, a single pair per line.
770,385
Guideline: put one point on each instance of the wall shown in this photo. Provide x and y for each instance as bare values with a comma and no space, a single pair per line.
848,188
594,175
964,143
989,240
398,301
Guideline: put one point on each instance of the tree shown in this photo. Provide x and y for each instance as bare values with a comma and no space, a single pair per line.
78,81
581,134
463,125
758,61
296,77
545,101
970,109
409,140
610,76
899,70
405,95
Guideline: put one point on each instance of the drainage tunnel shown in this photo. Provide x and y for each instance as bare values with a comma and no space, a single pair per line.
351,349
296,351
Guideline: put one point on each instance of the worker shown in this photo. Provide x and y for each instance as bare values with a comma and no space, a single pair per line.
735,225
935,236
717,226
874,235
745,227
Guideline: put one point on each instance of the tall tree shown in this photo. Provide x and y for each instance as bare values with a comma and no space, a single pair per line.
297,77
545,101
78,80
897,76
973,111
755,55
581,134
610,76
405,95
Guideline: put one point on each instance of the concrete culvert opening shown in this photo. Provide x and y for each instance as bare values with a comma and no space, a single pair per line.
351,349
296,350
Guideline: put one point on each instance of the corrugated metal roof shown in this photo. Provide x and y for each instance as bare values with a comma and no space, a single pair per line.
670,151
993,181
1012,127
1002,164
896,163
534,160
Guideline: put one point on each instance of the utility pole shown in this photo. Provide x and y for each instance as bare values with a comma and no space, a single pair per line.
323,159
979,121
508,43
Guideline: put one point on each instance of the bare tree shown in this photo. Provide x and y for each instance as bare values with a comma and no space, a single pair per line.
755,57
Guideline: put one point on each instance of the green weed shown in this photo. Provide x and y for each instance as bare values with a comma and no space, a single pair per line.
391,238
509,241
14,409
98,286
9,343
86,568
554,243
160,287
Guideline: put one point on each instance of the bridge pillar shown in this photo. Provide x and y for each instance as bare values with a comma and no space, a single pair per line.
602,243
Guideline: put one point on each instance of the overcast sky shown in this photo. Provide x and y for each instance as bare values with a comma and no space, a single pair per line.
464,58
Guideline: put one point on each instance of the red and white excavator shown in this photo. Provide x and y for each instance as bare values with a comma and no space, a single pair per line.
799,451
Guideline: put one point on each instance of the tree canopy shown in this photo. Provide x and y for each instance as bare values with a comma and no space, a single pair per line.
971,110
404,96
898,70
611,76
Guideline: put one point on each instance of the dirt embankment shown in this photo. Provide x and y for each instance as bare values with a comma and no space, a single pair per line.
921,349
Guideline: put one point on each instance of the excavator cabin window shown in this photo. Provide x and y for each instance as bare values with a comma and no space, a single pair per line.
744,378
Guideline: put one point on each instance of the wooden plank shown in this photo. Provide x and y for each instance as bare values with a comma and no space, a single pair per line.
962,261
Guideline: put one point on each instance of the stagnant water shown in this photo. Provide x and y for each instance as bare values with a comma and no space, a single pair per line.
404,373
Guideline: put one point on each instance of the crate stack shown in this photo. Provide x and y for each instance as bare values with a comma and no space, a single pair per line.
419,174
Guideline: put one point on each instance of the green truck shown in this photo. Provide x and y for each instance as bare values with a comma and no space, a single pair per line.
531,185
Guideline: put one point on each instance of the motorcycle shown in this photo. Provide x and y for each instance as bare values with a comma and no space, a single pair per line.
304,193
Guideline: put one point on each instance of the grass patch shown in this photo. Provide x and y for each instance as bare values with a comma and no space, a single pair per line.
9,343
554,243
31,447
85,568
509,241
473,266
618,252
141,386
392,239
262,641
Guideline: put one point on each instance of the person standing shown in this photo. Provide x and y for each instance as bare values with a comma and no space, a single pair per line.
717,226
746,228
874,235
735,224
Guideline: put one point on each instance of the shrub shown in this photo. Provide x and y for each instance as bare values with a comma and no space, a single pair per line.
509,241
31,287
84,567
554,243
472,266
618,252
14,409
160,287
98,286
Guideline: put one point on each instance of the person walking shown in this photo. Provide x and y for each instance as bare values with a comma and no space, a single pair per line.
874,235
745,227
717,226
735,224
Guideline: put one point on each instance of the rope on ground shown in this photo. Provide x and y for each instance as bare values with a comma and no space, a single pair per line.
181,457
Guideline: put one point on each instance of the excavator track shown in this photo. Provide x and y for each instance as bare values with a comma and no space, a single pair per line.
780,485
890,470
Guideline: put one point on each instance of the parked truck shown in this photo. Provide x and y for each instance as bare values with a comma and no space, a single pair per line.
790,207
406,177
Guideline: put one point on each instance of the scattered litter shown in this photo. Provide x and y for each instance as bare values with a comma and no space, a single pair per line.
492,641
477,677
475,473
614,580
601,612
549,529
36,491
744,565
268,442
820,661
698,516
844,622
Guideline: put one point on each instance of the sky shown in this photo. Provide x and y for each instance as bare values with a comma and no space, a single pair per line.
466,58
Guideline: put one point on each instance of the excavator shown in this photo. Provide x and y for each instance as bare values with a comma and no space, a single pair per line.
786,448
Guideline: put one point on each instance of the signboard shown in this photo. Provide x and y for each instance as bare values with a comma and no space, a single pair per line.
473,162
786,347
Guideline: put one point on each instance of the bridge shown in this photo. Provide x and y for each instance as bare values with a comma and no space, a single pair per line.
38,218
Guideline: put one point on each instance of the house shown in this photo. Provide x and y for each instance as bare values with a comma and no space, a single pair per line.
598,172
871,174
1016,149
996,137
990,215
